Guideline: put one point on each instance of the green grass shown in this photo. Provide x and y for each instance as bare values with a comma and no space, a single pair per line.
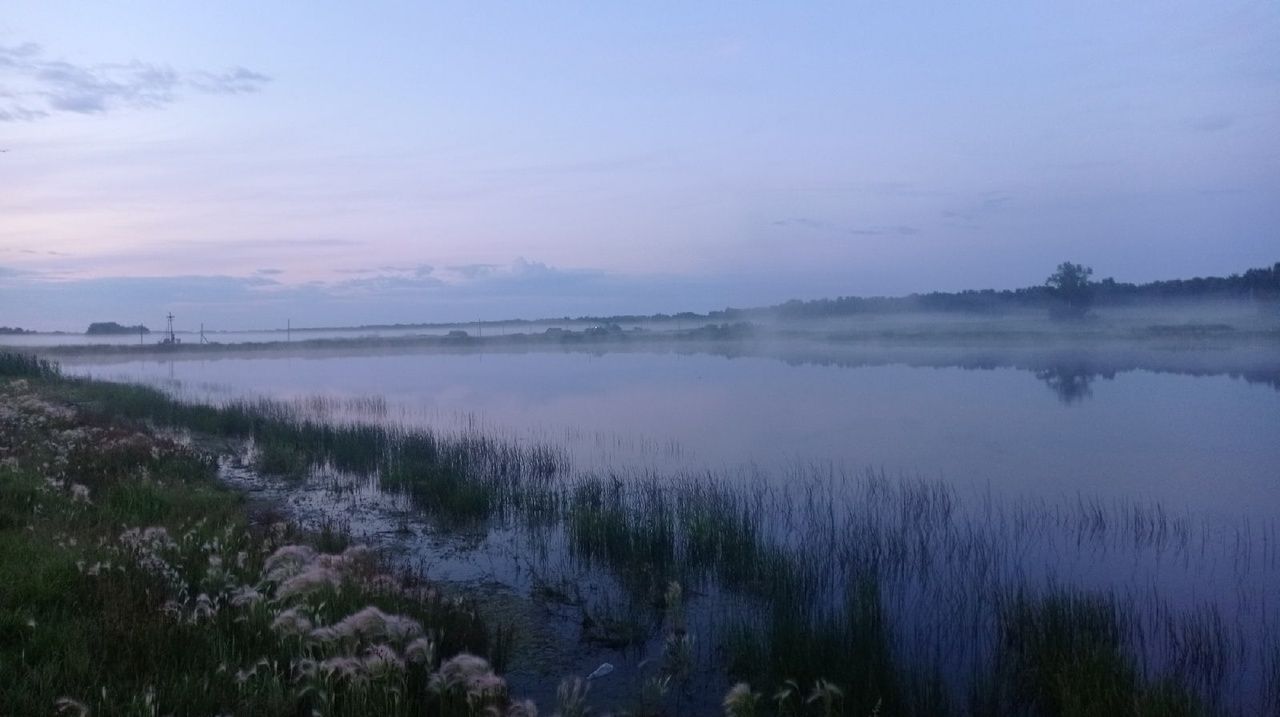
129,637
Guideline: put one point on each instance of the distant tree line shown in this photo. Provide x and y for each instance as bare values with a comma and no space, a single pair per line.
98,328
1068,291
7,330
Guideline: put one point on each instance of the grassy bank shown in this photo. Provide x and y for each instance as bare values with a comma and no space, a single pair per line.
880,599
131,582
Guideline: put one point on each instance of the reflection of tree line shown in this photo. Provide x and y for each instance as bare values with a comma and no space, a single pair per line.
1071,382
1069,373
1070,378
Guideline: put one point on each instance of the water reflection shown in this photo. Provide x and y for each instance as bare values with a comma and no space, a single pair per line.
1071,383
1176,426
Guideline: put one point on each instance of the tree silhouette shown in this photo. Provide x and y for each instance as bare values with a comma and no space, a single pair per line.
1070,286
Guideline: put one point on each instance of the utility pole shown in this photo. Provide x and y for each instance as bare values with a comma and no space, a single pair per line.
288,330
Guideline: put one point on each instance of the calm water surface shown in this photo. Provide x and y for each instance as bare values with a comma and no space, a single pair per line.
1188,441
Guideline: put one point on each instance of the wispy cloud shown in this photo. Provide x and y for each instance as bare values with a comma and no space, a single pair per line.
899,230
972,214
521,288
1213,123
874,230
33,86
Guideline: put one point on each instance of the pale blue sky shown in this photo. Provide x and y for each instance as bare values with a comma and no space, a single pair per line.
380,162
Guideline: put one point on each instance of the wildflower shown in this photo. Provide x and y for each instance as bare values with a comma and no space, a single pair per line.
369,624
80,493
287,561
349,668
383,584
291,623
314,578
741,701
469,673
358,553
149,540
486,686
244,596
204,608
304,669
421,651
381,660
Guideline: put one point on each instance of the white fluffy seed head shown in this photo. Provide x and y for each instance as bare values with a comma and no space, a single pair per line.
311,579
291,623
287,561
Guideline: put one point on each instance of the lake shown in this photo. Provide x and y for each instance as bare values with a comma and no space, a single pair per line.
1184,438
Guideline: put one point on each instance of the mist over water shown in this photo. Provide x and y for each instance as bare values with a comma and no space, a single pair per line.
956,458
1045,424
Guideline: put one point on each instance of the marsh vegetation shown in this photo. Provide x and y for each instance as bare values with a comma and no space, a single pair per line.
899,595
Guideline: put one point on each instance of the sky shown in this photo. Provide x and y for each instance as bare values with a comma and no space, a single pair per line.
244,164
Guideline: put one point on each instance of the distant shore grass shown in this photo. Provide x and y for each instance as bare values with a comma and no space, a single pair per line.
970,331
814,607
